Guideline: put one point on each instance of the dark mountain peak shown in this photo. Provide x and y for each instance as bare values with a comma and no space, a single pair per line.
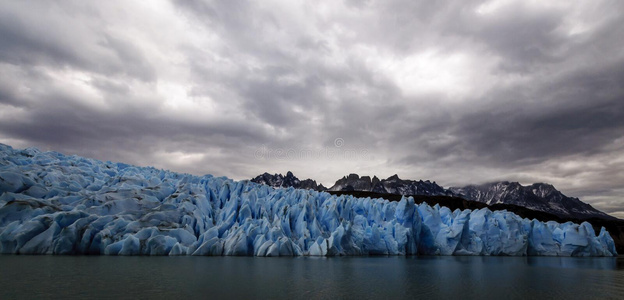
352,182
290,180
390,185
544,186
394,177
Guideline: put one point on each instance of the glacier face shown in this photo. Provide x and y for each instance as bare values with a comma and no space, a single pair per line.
56,204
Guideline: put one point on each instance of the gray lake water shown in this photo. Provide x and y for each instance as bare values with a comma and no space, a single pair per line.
306,277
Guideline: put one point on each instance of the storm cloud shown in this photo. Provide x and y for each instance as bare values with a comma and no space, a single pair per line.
458,92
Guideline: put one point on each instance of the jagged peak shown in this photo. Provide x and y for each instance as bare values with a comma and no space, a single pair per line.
393,177
290,180
543,184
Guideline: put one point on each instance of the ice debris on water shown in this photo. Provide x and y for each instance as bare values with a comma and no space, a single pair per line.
56,204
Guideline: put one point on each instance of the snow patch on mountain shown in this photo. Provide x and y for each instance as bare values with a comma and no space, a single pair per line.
538,196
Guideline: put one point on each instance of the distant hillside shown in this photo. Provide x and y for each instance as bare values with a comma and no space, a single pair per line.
538,196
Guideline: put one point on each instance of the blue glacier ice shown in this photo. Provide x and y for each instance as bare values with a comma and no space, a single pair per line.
56,204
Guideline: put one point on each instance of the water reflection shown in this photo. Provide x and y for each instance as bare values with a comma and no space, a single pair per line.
600,263
309,277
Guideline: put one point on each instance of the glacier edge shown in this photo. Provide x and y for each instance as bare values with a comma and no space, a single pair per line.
56,204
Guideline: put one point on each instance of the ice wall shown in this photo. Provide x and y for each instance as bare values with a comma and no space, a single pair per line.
56,204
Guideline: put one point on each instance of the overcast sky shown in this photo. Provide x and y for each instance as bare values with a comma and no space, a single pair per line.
457,92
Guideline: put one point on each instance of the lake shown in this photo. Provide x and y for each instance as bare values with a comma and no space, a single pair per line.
309,277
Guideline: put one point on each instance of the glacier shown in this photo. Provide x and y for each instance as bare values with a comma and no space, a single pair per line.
51,203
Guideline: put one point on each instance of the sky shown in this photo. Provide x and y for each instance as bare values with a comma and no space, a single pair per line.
457,92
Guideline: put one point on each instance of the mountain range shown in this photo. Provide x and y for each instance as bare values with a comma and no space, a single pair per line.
279,180
538,196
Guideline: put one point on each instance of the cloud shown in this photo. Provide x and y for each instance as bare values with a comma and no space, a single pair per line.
458,92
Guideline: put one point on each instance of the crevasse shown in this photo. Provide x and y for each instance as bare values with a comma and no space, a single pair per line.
56,204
